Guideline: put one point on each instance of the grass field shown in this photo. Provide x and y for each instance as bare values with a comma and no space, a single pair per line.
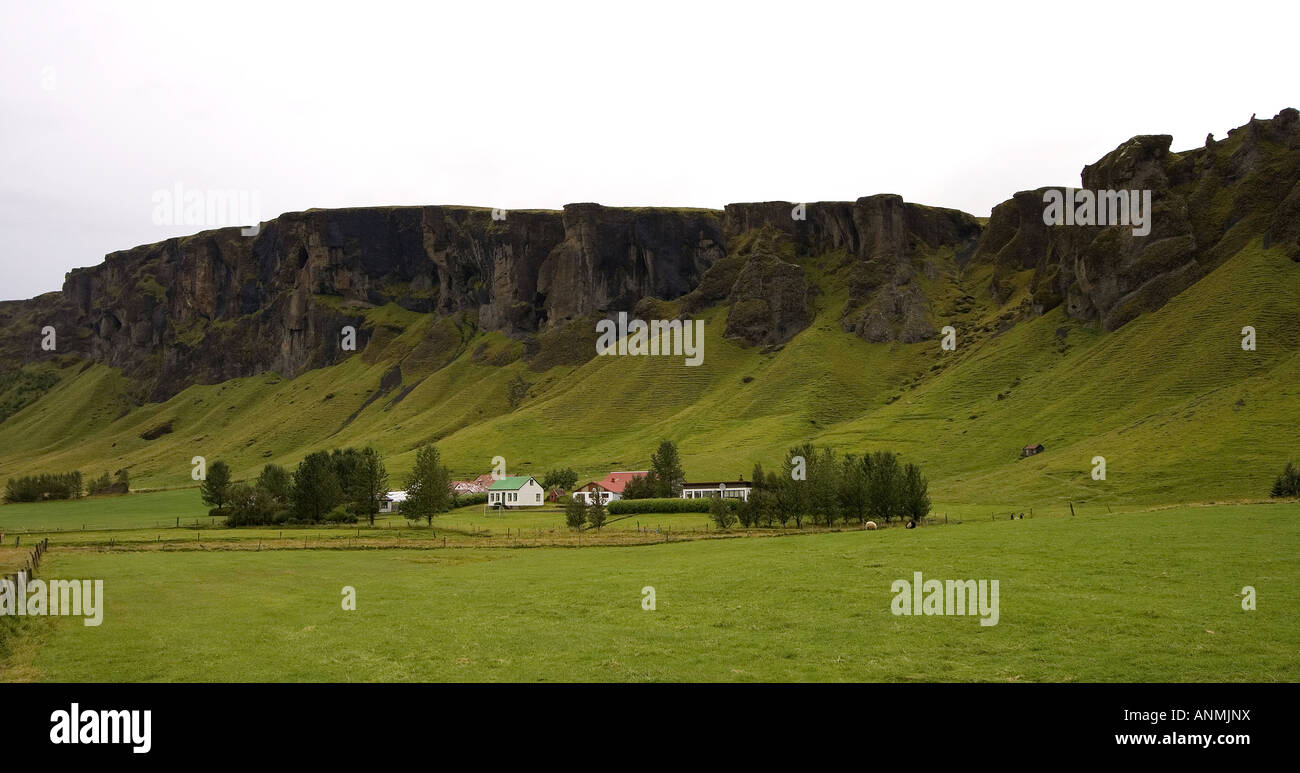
1152,596
149,510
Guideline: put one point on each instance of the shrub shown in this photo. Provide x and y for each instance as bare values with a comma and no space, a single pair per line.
340,514
249,506
747,511
721,512
462,500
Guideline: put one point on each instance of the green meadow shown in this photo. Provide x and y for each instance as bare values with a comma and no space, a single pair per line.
136,511
1129,596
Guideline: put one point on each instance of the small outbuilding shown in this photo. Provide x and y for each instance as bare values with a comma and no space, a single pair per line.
1031,450
392,501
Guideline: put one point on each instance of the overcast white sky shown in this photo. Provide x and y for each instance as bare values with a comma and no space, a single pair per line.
538,104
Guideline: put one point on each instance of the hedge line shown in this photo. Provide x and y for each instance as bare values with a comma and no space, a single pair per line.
674,505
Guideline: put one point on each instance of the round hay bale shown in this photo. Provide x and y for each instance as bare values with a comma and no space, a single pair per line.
871,525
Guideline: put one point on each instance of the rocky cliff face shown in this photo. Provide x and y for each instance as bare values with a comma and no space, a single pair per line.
1206,204
220,305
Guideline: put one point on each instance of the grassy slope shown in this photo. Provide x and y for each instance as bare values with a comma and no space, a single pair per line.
1180,412
1154,597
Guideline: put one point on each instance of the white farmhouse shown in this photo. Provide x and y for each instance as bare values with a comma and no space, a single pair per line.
517,491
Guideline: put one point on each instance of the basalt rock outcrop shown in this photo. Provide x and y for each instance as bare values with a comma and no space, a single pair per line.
1207,203
884,241
871,227
611,258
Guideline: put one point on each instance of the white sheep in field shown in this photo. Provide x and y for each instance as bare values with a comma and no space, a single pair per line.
871,525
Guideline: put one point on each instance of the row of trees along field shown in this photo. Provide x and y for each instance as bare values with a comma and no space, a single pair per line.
813,484
339,486
817,485
66,485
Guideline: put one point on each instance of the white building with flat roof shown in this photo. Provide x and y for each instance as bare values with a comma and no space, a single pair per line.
727,489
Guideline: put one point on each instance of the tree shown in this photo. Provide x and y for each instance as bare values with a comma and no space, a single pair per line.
316,489
275,482
824,485
915,496
347,464
372,482
643,487
761,498
746,512
562,479
596,513
794,495
215,489
428,488
884,485
853,487
575,512
720,512
781,491
750,509
666,469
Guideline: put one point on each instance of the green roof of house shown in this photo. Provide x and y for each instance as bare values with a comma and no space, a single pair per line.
510,484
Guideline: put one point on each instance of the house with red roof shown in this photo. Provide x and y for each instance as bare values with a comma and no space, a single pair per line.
609,489
477,486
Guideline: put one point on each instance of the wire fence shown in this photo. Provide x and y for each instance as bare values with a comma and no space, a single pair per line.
31,564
